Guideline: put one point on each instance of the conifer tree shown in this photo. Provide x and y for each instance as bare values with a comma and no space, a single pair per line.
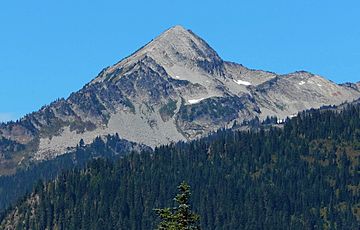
181,217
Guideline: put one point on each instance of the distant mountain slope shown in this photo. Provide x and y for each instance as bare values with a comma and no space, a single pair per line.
304,176
174,88
14,186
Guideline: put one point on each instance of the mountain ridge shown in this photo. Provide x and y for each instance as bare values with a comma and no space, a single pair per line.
175,88
302,176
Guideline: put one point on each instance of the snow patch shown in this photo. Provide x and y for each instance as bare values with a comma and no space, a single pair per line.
280,121
319,85
194,101
240,82
302,82
177,77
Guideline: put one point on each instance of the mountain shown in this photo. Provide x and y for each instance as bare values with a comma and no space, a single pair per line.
175,88
303,176
17,185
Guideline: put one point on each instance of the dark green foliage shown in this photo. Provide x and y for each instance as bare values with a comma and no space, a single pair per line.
7,145
214,109
270,120
53,129
129,104
15,186
304,176
168,110
181,217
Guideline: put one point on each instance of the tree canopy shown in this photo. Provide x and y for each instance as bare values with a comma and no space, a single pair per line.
180,217
304,176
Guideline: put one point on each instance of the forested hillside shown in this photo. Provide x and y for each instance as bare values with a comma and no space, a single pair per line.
12,187
304,176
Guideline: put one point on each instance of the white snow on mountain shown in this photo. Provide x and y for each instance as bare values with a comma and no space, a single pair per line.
194,101
240,82
302,83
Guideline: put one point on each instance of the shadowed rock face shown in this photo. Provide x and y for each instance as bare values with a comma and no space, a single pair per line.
174,88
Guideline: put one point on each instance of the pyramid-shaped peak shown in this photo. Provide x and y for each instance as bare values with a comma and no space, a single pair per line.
177,29
179,44
177,36
176,32
176,47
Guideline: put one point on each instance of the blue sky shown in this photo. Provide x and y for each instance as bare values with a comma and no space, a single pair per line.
50,48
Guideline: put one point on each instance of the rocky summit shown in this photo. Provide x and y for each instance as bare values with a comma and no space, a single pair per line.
174,88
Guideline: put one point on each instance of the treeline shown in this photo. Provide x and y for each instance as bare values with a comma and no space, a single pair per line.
304,176
15,186
7,145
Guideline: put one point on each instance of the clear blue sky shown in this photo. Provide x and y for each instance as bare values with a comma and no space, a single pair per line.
50,48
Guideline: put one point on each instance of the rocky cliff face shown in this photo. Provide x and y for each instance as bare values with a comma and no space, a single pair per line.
174,88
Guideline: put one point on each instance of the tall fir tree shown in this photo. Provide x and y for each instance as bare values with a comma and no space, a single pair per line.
180,217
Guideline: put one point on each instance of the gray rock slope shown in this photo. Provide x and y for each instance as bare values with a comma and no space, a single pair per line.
174,88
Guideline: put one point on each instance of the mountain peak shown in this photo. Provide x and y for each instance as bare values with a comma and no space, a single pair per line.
174,88
178,43
174,34
176,29
177,47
